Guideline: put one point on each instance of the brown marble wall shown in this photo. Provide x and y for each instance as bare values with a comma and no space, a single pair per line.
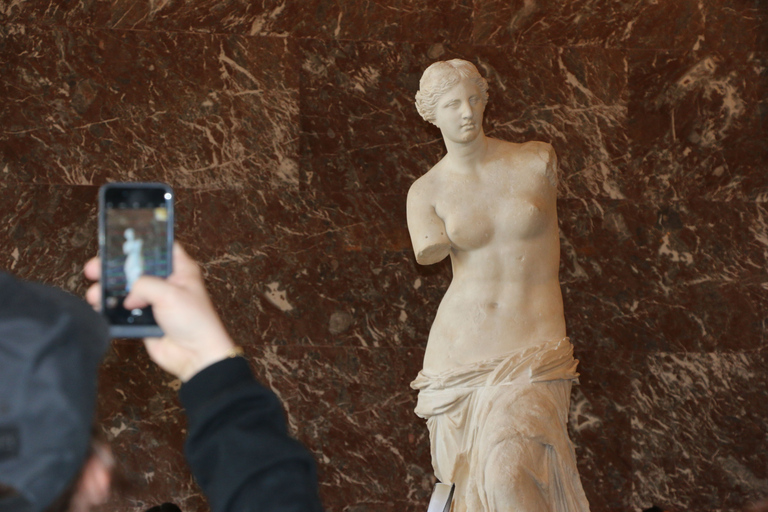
287,128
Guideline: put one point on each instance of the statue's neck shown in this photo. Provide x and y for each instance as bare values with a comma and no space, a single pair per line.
466,156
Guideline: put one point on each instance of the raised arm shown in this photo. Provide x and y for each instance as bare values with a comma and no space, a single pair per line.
237,445
428,234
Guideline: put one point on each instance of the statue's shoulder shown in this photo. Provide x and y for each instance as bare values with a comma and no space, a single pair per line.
543,151
429,180
537,156
531,150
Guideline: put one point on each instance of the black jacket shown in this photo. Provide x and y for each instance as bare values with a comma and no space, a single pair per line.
238,445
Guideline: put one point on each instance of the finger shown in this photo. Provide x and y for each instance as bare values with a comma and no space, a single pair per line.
154,347
93,296
92,269
186,272
149,343
184,267
148,290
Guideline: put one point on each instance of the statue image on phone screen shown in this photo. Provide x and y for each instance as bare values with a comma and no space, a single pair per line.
134,260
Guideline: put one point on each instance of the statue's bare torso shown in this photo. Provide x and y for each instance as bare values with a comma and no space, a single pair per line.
497,220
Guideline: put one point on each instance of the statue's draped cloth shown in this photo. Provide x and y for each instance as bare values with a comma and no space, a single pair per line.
519,398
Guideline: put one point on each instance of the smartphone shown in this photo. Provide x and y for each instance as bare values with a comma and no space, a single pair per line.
135,239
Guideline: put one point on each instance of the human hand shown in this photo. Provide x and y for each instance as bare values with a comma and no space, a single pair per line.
194,337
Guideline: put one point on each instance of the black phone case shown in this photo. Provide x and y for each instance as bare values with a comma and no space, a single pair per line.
126,330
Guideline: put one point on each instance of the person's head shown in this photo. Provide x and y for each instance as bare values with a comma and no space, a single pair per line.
51,344
439,78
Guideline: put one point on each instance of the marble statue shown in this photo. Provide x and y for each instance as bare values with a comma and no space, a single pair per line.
134,260
498,368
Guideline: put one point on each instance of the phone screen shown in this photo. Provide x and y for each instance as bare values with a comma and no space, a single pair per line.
136,240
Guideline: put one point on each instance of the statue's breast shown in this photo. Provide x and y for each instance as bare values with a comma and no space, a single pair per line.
494,217
469,227
521,217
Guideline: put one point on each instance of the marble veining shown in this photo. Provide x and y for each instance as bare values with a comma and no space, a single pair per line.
288,131
701,436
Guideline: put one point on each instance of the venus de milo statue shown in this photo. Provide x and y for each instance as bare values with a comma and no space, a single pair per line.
498,368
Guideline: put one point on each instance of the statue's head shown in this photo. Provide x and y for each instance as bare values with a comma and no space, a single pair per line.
439,77
129,234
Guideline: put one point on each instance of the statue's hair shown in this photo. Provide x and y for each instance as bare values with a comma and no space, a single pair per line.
438,78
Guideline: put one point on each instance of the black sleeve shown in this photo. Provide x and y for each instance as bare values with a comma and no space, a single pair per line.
238,445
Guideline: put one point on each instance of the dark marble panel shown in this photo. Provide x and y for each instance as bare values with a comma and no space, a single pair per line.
232,234
682,276
309,18
358,116
112,14
600,425
695,125
445,21
699,430
397,20
584,22
286,271
664,25
736,23
47,233
356,299
687,24
84,106
352,407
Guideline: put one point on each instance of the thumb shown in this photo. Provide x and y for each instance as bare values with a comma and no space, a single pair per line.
148,290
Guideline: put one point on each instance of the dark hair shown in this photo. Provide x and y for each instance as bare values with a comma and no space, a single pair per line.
6,491
64,501
61,504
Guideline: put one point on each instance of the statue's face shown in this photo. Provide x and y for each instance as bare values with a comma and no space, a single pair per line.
459,113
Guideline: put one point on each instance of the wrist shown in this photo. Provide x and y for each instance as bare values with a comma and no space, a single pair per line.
211,357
